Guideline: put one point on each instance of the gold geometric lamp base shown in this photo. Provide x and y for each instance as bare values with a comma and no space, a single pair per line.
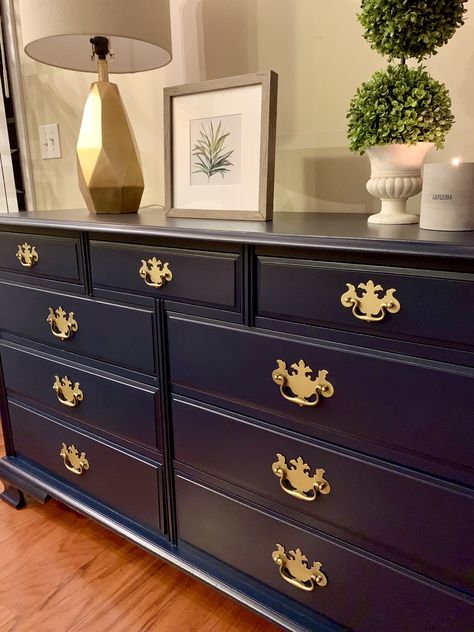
132,37
109,169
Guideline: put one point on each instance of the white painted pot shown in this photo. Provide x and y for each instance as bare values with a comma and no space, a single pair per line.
394,177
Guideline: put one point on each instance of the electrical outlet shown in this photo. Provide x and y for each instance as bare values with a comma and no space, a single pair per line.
49,141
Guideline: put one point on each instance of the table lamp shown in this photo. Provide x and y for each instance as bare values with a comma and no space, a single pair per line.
132,36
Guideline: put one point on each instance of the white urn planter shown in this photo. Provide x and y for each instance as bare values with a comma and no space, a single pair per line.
395,176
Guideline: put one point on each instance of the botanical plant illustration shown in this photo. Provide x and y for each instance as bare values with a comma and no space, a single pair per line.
402,104
212,155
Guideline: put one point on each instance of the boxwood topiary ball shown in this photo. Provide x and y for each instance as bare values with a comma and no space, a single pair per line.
410,28
399,105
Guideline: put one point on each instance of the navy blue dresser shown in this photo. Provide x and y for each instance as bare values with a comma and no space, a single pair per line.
284,410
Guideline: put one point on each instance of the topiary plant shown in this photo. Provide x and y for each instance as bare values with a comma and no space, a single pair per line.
410,28
401,104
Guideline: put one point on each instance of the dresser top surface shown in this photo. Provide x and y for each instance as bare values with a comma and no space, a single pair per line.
309,230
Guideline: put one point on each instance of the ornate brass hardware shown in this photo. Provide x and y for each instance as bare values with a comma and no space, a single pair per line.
27,255
299,382
68,394
72,461
62,326
370,307
295,571
155,273
296,481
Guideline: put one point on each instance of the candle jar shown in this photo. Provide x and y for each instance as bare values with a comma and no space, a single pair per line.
447,199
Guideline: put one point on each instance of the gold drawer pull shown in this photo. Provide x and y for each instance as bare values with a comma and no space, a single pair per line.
27,255
300,383
370,307
154,273
295,571
296,480
62,325
68,394
72,461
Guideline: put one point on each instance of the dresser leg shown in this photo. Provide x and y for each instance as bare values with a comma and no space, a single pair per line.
13,496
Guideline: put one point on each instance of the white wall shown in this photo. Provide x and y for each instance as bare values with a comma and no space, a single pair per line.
319,53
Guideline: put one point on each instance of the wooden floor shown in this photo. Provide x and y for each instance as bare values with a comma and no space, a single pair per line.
60,572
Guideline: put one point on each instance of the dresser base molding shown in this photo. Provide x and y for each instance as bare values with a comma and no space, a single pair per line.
189,560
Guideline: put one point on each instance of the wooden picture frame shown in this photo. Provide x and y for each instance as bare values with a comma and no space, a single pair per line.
220,148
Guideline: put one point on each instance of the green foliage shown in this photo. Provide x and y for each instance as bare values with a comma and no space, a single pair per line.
399,105
410,28
211,153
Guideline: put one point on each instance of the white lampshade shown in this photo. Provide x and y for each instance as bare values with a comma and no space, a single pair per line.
57,32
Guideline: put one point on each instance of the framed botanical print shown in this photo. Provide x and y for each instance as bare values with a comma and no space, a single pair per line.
220,148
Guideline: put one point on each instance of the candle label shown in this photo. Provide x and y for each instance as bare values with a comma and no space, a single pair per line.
442,196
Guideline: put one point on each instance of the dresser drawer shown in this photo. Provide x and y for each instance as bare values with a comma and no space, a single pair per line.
431,305
41,256
116,406
124,482
106,331
362,592
211,278
415,412
383,508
